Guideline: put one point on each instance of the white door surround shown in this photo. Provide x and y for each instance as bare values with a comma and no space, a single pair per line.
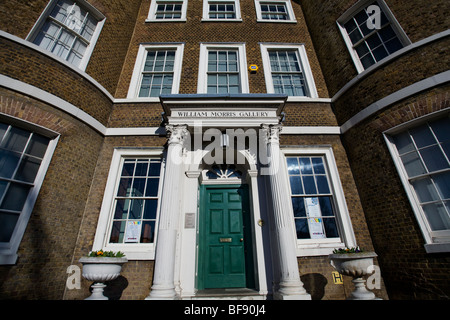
203,131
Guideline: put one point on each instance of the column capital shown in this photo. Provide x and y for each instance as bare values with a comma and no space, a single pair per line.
177,133
272,132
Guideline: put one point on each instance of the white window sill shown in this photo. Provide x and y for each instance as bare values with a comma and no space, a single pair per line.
221,20
277,21
165,20
317,250
8,259
437,247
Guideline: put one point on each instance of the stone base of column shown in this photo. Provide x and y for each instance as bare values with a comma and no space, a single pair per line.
162,293
291,291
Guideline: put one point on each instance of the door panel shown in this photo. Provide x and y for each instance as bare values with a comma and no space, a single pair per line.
222,241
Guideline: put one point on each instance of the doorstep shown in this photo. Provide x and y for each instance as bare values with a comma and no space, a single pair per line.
228,294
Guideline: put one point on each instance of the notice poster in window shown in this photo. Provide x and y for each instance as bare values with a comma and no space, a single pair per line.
133,231
315,222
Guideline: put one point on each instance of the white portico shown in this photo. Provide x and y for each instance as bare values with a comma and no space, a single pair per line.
225,223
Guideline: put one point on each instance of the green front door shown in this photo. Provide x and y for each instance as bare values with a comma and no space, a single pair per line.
225,259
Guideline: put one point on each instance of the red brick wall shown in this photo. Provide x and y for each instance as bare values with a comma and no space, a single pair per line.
50,237
408,271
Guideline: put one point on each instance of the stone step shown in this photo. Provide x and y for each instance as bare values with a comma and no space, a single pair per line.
228,294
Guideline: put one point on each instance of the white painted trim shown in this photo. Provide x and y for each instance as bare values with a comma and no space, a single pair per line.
152,11
324,246
431,246
308,99
202,85
387,60
50,55
237,9
53,100
289,8
304,64
311,130
355,9
136,78
103,230
401,94
141,131
8,252
88,7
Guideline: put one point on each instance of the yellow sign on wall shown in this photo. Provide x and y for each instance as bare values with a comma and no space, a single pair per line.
337,277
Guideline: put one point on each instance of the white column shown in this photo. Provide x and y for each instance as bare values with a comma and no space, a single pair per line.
290,286
163,278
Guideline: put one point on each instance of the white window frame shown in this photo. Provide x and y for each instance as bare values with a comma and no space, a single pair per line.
202,85
320,247
237,8
437,241
90,48
136,78
301,52
154,5
289,10
352,12
8,251
133,251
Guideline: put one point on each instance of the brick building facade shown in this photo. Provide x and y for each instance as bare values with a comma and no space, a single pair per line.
105,86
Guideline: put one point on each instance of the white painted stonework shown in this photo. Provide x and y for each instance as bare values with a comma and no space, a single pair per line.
273,239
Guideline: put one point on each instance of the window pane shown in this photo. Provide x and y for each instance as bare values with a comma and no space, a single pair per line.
441,129
292,165
296,185
434,158
15,197
393,45
331,229
155,169
305,165
413,165
442,182
138,187
3,185
150,209
148,232
322,184
298,206
15,140
422,136
117,232
136,209
37,146
325,206
149,62
124,187
7,225
425,190
302,229
367,61
152,187
310,186
8,163
403,142
380,53
318,165
128,169
122,206
28,169
141,168
437,216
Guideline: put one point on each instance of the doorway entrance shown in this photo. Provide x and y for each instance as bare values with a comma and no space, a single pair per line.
225,258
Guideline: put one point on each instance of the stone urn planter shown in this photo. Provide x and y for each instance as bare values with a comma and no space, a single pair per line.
355,265
100,270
